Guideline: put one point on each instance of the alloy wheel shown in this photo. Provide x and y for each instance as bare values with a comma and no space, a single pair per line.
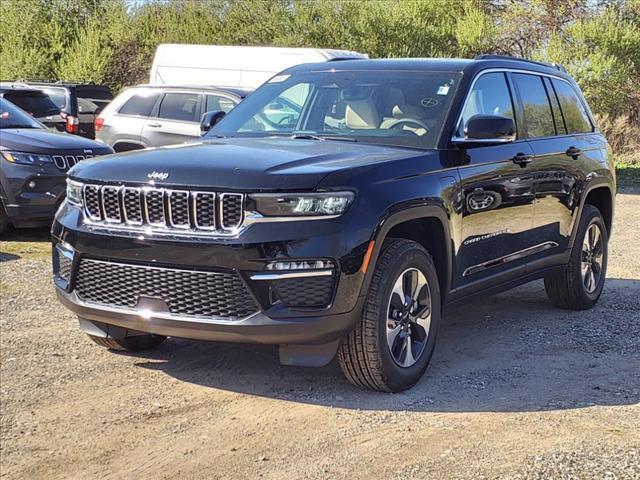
592,257
408,317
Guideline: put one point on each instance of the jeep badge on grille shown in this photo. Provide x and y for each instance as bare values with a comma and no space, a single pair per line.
158,175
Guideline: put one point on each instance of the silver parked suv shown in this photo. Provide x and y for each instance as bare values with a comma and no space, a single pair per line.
155,115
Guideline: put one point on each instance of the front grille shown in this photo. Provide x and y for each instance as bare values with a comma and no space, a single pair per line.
65,162
164,209
185,292
305,292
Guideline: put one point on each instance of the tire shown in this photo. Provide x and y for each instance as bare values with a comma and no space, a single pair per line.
365,356
137,343
571,289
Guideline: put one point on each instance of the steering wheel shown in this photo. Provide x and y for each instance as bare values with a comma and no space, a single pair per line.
401,122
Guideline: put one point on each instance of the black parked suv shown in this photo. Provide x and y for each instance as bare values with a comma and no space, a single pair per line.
36,103
397,187
34,163
80,103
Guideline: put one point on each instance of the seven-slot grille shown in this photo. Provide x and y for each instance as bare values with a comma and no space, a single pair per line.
65,162
185,292
164,208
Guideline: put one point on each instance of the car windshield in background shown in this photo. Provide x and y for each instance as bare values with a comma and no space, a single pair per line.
12,117
388,108
34,103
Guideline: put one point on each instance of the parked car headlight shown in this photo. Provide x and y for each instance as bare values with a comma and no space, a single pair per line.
302,204
23,158
74,193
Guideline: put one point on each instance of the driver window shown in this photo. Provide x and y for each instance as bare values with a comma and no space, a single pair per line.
489,96
281,113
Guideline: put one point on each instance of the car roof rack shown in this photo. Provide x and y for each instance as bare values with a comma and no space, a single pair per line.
488,56
53,81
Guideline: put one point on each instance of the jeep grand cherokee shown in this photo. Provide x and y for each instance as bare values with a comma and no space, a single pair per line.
346,224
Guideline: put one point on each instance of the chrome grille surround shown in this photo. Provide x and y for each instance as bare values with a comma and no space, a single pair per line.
164,210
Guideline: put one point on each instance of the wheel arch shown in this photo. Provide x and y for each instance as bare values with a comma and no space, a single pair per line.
127,146
598,193
427,225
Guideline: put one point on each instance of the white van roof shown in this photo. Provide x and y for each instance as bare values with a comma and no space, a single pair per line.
245,67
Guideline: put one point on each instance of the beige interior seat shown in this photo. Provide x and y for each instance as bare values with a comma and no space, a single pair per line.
361,115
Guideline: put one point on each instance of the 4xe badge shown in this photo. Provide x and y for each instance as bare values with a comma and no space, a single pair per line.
158,175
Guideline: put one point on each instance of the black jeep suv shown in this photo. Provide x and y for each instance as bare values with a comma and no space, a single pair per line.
345,225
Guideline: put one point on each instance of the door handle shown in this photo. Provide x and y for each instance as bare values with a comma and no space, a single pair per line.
154,125
522,159
573,152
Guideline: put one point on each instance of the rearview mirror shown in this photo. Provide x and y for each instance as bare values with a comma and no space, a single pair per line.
488,129
210,119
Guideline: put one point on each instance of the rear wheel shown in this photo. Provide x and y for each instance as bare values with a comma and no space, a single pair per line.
137,343
580,285
391,346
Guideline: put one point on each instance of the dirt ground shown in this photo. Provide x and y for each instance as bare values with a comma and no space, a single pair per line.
516,389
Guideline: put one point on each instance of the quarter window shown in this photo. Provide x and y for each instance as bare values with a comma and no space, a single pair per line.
537,110
489,96
179,106
141,104
573,110
555,107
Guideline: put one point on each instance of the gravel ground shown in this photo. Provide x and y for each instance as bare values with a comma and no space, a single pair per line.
516,390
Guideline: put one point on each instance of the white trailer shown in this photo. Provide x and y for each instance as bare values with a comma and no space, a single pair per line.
231,66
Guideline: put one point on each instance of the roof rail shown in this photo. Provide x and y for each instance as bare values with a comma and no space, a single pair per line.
54,81
487,56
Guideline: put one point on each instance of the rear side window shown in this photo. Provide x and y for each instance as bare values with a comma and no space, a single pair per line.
489,96
37,104
555,107
179,106
573,111
219,103
537,110
59,96
141,104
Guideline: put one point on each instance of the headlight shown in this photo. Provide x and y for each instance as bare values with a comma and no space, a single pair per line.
26,158
74,193
302,204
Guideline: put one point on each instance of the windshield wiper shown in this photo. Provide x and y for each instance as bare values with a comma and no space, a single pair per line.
306,136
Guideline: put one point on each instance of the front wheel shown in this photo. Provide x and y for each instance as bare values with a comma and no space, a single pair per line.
391,346
580,285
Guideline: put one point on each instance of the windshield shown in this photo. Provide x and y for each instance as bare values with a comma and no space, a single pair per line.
35,103
12,117
400,108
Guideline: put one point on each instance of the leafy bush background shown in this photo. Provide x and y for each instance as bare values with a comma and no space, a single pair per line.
113,41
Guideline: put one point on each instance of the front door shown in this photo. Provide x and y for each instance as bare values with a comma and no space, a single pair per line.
498,193
176,120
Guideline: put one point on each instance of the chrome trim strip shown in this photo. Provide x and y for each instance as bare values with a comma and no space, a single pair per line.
285,275
138,192
108,188
509,258
170,209
501,70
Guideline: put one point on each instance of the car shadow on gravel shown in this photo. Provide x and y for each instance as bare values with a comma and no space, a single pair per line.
510,352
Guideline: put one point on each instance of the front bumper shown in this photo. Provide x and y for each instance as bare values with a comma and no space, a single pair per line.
274,322
257,328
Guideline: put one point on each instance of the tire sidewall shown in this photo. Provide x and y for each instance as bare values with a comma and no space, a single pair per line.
397,377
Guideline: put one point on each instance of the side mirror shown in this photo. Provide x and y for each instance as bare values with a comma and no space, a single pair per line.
488,129
210,119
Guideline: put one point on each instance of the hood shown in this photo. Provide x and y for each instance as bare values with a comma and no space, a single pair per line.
239,163
36,140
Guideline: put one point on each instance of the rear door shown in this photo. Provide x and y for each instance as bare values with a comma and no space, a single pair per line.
177,120
497,192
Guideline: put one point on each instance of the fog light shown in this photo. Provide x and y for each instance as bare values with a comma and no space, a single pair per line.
32,184
300,265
